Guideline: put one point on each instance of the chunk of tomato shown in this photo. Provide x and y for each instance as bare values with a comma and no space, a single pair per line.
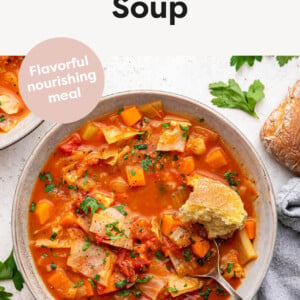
70,144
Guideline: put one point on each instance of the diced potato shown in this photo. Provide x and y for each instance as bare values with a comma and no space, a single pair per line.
246,249
187,165
135,176
62,284
181,285
230,265
9,103
130,115
168,223
44,210
196,144
89,131
180,237
216,158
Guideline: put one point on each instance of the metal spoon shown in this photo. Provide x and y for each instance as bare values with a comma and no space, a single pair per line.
216,275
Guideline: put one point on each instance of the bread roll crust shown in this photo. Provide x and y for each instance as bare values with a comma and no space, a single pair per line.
280,133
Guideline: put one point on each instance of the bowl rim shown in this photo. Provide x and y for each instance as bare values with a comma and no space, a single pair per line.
158,93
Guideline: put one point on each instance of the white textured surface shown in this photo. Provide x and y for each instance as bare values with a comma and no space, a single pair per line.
189,76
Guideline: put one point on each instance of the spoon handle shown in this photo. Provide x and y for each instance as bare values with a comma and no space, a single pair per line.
228,287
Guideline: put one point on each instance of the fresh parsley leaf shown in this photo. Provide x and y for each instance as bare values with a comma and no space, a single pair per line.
205,294
91,203
53,236
91,282
53,266
159,255
97,277
120,208
121,283
42,176
140,147
32,207
80,283
85,179
146,279
146,120
185,130
231,95
207,255
18,280
125,156
120,110
72,187
186,254
220,290
283,60
132,172
172,289
86,245
239,61
123,293
49,177
165,125
229,267
2,118
146,163
4,295
49,187
230,178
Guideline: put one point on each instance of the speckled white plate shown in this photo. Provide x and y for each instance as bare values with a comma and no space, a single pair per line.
23,128
240,146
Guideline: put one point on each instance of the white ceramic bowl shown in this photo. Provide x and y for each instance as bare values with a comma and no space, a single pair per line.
241,147
23,128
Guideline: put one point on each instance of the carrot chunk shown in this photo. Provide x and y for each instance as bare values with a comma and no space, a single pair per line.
62,284
168,223
135,176
130,115
43,210
216,158
201,248
187,165
251,228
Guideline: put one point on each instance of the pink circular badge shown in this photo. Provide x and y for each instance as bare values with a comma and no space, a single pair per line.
61,80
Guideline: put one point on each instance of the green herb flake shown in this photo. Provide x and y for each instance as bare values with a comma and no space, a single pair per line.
207,255
125,156
123,293
146,163
91,283
230,178
32,207
2,118
187,256
120,208
53,266
120,110
92,204
159,255
229,267
97,277
140,147
80,283
42,176
172,289
132,172
86,245
146,120
185,130
49,177
146,279
71,187
85,179
205,294
165,125
53,236
49,187
175,157
121,283
45,255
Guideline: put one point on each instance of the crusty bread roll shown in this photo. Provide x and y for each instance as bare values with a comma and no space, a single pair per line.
280,133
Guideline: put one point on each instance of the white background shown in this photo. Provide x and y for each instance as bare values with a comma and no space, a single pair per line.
185,75
212,27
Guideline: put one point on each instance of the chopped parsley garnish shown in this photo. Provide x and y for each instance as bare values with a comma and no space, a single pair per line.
165,125
80,283
146,163
120,110
146,279
121,283
175,157
123,293
49,177
49,187
172,289
91,282
86,245
146,120
32,207
200,261
53,266
85,179
202,120
97,277
2,118
229,267
45,255
132,172
140,147
230,177
207,255
220,290
185,130
186,254
53,236
71,187
159,255
205,294
120,208
42,176
125,156
91,203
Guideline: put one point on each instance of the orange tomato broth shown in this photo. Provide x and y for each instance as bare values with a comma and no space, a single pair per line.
9,69
145,202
